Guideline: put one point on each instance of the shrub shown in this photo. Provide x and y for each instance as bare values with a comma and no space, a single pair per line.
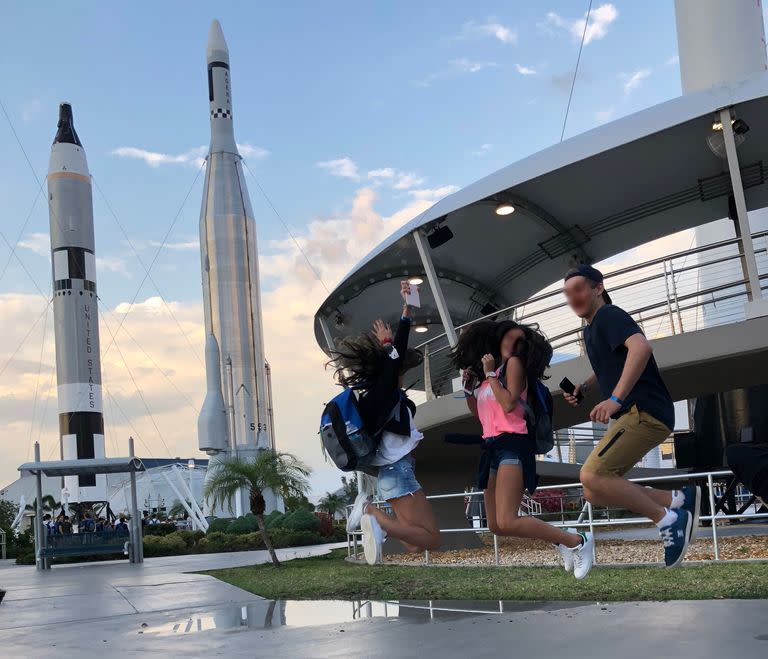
219,524
159,529
300,520
326,524
291,538
274,519
167,545
245,524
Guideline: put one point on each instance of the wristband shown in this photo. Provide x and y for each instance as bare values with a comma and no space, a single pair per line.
492,374
618,400
385,342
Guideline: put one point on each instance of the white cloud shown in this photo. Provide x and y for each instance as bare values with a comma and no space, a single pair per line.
250,151
30,109
433,194
181,246
194,157
342,167
633,80
456,67
384,172
525,70
605,115
599,21
491,29
482,150
407,180
112,264
39,243
673,61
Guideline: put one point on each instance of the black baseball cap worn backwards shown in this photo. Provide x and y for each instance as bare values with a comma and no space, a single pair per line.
588,272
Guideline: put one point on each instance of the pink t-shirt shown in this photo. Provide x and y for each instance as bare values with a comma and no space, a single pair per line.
494,419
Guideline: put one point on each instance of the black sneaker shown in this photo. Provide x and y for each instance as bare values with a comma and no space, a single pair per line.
676,537
692,504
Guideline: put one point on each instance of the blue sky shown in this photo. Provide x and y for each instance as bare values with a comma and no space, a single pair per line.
361,113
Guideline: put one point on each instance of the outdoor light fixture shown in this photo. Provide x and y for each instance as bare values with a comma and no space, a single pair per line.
505,208
415,281
421,329
439,236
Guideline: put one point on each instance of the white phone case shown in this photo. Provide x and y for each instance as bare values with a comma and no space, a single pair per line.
412,298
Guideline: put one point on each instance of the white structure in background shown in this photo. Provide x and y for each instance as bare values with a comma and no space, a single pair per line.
165,483
236,417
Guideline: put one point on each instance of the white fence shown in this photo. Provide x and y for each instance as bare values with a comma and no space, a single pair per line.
586,518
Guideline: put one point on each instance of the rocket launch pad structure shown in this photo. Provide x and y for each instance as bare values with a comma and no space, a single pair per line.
235,419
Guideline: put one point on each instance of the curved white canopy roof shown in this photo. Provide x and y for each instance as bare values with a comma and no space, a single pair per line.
617,186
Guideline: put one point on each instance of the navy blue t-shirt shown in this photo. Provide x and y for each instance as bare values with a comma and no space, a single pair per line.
604,338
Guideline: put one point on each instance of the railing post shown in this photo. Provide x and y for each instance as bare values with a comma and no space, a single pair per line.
495,549
426,557
711,487
428,374
592,531
669,302
675,298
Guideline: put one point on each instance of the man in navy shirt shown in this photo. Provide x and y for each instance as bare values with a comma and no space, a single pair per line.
640,411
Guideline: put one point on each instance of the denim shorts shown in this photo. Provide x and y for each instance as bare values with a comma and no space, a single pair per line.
503,457
397,480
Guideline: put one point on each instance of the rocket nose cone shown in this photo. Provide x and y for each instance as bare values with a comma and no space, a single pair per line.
217,46
66,126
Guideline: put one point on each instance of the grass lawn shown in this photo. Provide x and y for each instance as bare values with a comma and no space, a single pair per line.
331,577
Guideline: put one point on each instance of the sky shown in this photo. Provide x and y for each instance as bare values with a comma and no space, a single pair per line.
353,117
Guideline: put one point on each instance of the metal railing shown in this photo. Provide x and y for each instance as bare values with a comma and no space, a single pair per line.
586,518
699,287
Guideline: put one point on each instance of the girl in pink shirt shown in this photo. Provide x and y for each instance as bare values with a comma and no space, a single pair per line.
505,358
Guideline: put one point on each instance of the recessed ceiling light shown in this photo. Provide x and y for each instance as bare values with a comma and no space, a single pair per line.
415,281
421,329
505,208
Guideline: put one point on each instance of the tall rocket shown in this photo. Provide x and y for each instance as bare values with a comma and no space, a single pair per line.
234,419
75,308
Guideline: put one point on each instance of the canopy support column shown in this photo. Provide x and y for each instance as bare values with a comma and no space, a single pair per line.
326,332
40,562
434,283
137,542
754,293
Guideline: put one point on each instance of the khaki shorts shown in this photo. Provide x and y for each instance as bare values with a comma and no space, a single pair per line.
625,443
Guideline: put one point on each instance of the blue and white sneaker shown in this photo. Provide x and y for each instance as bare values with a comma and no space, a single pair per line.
373,539
692,504
356,514
676,537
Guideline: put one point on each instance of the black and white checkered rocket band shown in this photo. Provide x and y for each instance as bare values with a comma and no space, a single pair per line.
218,113
74,263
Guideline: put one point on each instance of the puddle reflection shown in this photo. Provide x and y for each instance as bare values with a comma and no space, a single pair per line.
269,614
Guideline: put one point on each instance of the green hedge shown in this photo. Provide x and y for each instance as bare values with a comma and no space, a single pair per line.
214,542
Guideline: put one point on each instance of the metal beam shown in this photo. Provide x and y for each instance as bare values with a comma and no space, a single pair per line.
135,530
753,291
326,332
434,283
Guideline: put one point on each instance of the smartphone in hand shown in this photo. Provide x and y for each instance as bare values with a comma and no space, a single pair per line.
568,387
412,296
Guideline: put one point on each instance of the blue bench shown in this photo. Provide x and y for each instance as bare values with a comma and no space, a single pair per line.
85,544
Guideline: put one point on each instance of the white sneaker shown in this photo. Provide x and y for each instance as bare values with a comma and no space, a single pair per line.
566,554
373,537
583,556
355,515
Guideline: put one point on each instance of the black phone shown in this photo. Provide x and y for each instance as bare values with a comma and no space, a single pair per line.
568,387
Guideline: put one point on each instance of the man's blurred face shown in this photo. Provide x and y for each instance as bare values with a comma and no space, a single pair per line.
582,295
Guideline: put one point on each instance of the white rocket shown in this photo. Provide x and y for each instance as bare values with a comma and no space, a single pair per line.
75,308
235,419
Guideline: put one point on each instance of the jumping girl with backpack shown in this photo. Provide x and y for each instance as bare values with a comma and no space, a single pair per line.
508,361
370,427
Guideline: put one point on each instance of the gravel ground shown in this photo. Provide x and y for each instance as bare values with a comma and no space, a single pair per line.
513,551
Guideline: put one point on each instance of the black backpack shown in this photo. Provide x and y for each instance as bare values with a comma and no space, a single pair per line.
538,413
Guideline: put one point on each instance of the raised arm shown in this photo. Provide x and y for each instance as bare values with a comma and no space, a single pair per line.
508,393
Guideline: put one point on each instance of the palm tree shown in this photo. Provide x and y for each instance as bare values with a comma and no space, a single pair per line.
332,503
280,472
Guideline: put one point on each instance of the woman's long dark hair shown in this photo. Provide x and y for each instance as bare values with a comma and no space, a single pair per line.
357,360
485,337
